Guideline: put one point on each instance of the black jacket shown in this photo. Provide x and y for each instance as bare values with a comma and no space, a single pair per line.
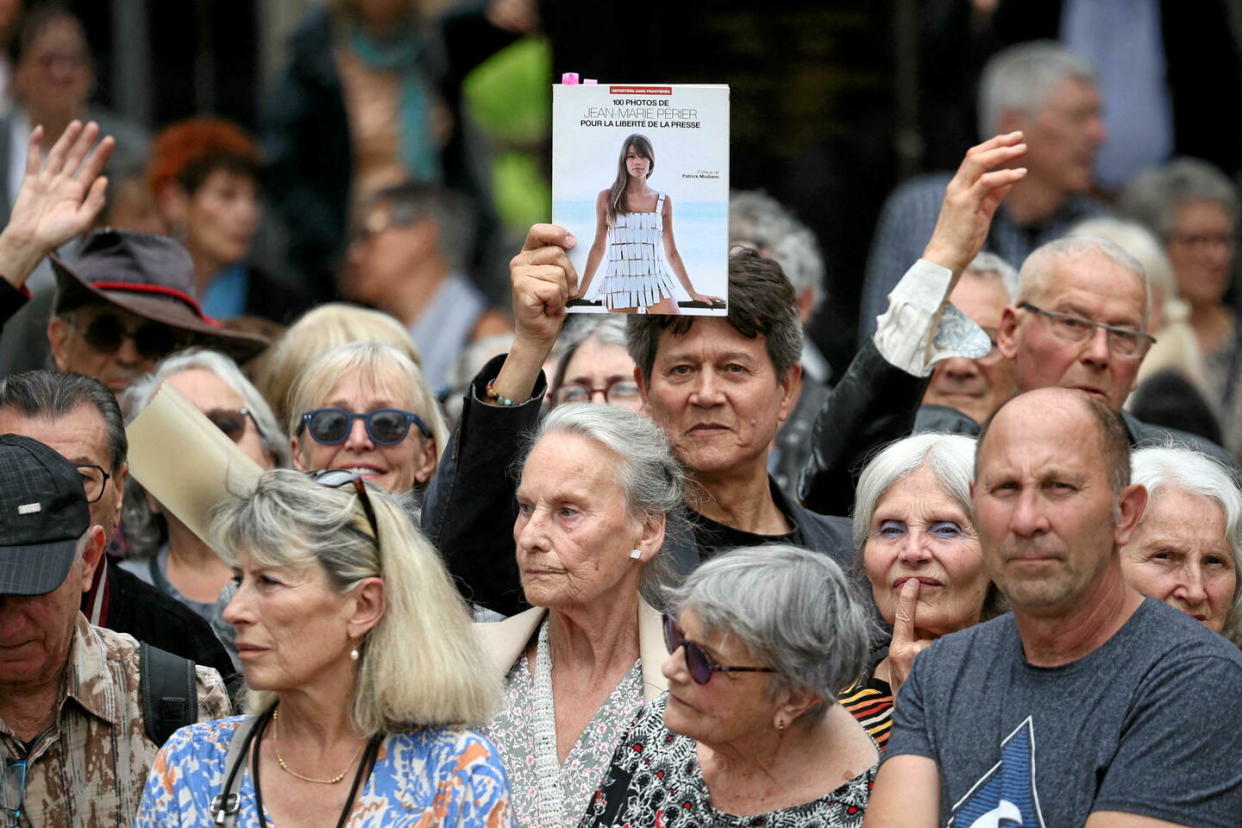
149,615
874,404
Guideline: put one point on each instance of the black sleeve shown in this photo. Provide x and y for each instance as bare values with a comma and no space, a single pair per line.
11,301
162,621
873,404
469,508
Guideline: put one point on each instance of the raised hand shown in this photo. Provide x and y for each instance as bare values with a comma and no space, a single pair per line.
543,280
58,199
971,199
905,644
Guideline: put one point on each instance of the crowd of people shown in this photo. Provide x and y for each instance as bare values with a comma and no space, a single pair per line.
504,566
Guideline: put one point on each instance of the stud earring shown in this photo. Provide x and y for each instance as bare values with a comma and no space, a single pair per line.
636,553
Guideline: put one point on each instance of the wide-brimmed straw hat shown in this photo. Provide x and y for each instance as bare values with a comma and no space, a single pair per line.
147,275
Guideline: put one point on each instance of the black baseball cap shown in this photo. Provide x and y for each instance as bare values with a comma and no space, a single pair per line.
43,512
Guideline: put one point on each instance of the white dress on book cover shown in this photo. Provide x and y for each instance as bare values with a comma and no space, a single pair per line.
636,276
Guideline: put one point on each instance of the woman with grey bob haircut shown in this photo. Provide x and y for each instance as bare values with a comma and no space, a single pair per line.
598,493
780,610
917,547
1187,548
359,661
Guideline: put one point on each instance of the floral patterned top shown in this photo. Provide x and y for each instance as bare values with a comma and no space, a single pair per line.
655,780
426,777
514,732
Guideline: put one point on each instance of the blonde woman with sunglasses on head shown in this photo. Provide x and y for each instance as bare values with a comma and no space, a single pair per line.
364,679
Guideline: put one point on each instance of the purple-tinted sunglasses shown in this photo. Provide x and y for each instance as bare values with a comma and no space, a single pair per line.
698,662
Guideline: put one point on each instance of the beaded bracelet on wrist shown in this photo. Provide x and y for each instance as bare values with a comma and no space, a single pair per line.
494,397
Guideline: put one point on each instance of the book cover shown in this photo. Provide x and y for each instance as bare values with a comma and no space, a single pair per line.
640,175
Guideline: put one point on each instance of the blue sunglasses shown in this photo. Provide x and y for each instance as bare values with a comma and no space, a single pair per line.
385,426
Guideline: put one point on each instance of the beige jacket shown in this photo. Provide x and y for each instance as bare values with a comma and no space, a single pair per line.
504,641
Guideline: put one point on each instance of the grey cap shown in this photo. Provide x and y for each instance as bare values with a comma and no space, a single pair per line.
43,512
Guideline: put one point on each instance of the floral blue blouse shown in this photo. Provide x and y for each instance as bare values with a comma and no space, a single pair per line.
431,776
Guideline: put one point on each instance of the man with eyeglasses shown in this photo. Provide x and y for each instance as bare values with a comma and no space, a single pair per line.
78,417
1080,321
72,728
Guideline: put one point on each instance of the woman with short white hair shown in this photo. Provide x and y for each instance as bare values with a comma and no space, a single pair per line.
598,496
917,545
761,640
362,672
1187,548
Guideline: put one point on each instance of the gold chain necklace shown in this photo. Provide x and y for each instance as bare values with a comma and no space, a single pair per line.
284,767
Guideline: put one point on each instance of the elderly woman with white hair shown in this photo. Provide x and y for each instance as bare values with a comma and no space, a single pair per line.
166,553
1187,549
598,489
761,639
917,545
362,672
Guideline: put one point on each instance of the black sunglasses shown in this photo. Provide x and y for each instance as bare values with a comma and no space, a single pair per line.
336,478
385,426
106,332
232,421
698,662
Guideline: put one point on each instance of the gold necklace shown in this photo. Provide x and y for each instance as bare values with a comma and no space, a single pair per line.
284,767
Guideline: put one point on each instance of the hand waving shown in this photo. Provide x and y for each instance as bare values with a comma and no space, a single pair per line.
971,199
59,199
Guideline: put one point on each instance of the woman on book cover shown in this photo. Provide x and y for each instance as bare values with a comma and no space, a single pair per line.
634,222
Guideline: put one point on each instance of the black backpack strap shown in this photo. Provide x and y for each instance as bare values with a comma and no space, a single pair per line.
169,689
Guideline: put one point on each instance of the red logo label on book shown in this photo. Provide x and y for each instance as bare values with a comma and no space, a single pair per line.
640,90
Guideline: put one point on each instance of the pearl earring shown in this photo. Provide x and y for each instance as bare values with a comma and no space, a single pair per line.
353,654
636,554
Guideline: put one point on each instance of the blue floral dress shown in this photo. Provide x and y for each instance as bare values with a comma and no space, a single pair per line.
426,777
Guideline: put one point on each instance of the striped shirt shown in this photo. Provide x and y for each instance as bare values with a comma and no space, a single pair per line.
870,702
88,768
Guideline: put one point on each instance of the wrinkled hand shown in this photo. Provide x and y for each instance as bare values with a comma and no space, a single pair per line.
59,199
543,281
971,199
905,644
